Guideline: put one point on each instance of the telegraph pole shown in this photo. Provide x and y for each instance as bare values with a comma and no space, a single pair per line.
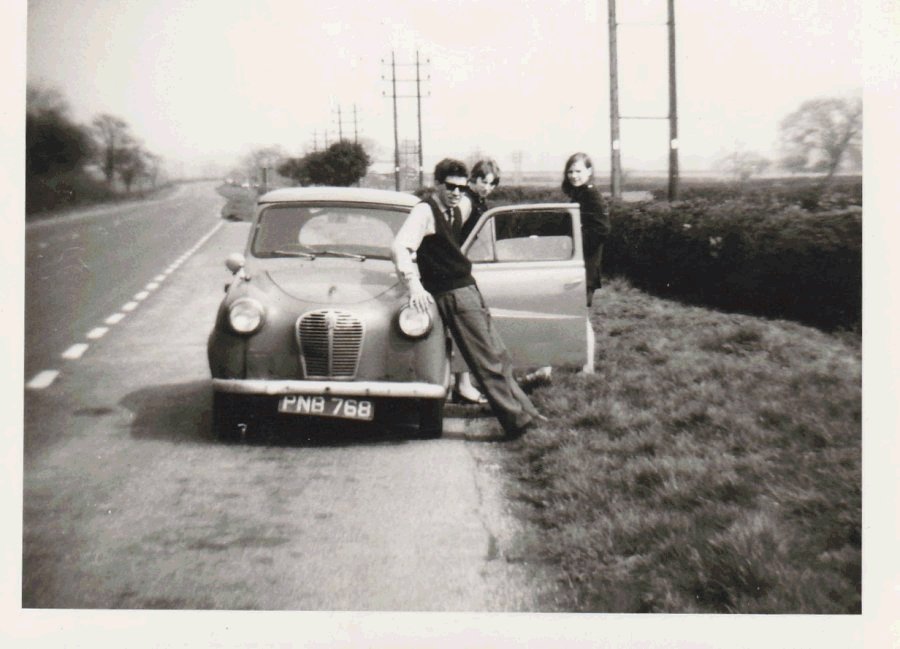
418,96
396,136
340,123
615,154
419,112
615,117
673,108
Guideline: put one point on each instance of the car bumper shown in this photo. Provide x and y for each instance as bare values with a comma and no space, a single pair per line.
406,390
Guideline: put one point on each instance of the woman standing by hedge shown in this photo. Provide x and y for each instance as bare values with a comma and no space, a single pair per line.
578,185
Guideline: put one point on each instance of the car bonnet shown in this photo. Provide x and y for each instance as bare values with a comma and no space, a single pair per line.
325,282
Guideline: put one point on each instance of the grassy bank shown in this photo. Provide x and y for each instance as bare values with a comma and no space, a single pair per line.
61,199
712,464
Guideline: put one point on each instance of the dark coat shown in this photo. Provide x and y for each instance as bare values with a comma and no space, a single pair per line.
595,224
479,207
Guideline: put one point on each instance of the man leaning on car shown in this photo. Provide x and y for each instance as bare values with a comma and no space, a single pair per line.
442,274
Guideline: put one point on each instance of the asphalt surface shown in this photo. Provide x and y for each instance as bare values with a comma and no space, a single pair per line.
129,501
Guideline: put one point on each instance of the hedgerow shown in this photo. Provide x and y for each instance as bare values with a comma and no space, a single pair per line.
772,248
790,263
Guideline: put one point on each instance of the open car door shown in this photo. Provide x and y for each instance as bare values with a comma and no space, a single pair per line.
527,260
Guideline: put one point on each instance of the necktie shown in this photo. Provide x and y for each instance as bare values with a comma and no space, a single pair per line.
455,225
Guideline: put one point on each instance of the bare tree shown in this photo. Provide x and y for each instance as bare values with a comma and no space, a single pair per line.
132,163
822,135
153,167
113,138
270,157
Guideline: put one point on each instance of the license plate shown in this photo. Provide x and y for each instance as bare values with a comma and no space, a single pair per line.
300,404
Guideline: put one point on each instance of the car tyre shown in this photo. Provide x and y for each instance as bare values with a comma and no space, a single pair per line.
228,420
431,418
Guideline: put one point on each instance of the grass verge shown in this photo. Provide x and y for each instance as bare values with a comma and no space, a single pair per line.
711,464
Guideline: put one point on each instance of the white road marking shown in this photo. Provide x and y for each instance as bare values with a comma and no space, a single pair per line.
42,380
46,377
97,332
75,351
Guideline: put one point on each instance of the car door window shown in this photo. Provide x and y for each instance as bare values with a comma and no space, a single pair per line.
482,248
533,235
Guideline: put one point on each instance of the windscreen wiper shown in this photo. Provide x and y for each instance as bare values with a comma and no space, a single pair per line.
294,253
338,253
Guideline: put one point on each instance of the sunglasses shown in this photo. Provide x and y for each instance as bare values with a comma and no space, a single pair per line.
451,186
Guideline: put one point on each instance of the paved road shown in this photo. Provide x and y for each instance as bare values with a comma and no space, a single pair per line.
130,503
82,268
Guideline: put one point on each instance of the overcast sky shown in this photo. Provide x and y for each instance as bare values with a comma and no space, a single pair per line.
207,80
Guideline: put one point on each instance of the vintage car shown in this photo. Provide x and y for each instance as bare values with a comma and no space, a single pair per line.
315,322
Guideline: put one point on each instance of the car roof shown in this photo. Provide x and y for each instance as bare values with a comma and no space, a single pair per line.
348,194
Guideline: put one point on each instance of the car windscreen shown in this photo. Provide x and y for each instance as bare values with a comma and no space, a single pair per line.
327,228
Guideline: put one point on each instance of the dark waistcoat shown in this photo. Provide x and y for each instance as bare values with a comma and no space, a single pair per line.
442,265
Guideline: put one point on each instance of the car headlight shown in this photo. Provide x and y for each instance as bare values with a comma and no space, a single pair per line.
413,323
246,315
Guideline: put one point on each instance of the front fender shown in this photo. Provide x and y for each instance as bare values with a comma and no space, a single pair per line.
226,351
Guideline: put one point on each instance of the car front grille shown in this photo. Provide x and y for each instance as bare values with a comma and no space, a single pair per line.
330,343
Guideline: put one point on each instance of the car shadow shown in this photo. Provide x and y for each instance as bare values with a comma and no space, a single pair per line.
181,413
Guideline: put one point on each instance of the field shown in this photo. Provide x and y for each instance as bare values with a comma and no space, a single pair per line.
712,464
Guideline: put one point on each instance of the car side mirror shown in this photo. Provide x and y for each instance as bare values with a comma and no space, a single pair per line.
235,262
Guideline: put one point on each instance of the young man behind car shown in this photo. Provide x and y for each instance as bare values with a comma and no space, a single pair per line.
442,274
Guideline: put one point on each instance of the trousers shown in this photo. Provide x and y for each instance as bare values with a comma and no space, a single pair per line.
464,313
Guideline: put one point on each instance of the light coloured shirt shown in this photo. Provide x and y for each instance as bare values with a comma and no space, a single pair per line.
418,225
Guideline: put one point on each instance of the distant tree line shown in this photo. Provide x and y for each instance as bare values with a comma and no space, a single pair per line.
822,136
68,163
341,164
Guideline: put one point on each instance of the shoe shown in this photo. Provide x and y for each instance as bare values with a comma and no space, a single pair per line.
517,433
543,373
459,397
521,430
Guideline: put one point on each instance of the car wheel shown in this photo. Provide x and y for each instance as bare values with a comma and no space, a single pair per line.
228,421
431,418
